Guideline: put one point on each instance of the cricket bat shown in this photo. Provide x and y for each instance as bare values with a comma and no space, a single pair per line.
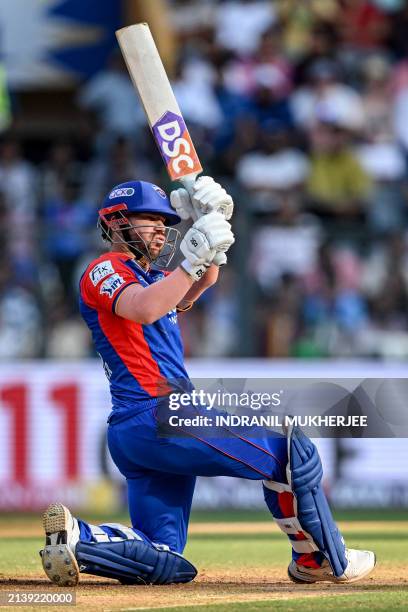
163,113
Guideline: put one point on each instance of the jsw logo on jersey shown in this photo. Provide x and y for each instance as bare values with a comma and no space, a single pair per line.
175,145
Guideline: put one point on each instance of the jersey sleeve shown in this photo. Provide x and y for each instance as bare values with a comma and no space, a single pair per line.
104,281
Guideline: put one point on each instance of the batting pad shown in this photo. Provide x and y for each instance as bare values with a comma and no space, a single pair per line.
133,562
300,506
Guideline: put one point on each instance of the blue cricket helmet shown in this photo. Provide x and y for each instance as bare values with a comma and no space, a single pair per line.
139,197
117,229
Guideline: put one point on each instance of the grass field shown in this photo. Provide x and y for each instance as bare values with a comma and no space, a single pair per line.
242,559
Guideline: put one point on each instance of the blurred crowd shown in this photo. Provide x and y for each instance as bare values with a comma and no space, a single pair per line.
300,109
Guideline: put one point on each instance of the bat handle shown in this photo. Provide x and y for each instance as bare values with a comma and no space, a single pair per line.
188,182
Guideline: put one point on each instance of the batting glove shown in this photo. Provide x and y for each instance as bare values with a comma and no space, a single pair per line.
180,201
217,231
197,252
208,196
209,234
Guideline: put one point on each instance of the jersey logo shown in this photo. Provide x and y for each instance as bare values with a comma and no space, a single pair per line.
101,270
111,284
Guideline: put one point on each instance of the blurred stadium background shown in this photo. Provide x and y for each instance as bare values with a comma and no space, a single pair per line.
301,110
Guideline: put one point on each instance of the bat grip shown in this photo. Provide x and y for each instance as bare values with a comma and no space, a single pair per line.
188,182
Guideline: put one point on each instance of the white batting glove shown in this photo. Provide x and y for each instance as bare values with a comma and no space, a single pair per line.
180,201
217,231
200,244
209,196
197,252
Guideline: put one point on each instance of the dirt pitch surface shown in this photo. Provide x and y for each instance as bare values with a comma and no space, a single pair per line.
210,587
213,585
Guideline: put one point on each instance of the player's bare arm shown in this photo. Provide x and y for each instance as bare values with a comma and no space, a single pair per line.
146,305
208,280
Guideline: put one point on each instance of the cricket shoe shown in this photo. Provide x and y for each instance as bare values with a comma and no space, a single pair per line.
61,536
360,564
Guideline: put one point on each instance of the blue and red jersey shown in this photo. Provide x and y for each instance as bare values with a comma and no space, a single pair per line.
139,360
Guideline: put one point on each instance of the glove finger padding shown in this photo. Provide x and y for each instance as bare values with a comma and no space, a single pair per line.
180,201
222,204
202,181
221,240
220,259
204,193
216,229
210,196
212,221
196,248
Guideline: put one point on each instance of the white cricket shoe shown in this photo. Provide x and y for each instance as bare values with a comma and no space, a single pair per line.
360,564
61,536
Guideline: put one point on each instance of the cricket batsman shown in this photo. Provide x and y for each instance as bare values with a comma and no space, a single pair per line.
130,303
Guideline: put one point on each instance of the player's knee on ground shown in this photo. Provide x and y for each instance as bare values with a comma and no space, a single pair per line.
300,507
133,562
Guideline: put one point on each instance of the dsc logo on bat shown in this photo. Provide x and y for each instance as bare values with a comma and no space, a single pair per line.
175,145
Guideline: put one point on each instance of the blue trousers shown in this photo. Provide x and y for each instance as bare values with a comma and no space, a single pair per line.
161,471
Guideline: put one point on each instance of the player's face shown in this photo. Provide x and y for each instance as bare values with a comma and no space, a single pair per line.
151,229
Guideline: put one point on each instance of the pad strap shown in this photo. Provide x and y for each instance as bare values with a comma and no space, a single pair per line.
287,520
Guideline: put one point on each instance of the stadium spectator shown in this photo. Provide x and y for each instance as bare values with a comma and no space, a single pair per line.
240,24
273,169
220,324
385,282
322,46
337,186
302,109
363,25
400,117
398,41
66,337
301,23
267,67
118,165
68,223
326,93
376,95
60,166
19,187
21,326
334,312
112,100
194,90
